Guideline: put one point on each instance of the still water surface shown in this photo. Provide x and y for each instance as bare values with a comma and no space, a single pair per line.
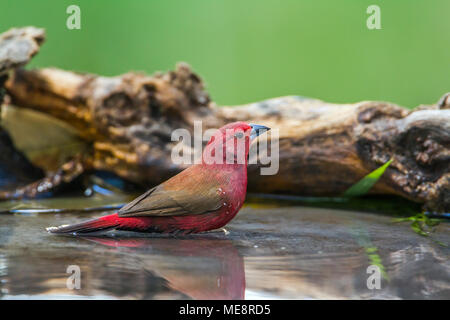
288,253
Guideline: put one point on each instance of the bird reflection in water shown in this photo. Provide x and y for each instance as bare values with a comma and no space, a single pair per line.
200,268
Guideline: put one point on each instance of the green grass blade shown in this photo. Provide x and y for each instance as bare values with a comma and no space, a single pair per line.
363,186
423,225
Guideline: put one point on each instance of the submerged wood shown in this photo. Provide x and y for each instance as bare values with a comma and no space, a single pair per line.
324,147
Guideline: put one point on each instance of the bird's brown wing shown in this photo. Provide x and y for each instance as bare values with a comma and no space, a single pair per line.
184,194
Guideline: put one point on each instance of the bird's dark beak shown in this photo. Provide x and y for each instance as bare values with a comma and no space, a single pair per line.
257,130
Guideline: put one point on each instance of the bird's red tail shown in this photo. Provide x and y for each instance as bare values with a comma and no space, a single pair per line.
94,225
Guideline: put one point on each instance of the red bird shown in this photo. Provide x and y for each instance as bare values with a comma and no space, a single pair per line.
203,197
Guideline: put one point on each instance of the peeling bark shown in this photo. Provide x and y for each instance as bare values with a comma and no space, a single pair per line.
18,46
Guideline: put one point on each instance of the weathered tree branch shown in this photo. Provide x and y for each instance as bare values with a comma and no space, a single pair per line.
324,147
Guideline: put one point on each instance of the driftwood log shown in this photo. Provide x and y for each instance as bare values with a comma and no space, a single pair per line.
324,148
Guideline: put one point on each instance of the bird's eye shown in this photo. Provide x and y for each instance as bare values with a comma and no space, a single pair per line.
239,135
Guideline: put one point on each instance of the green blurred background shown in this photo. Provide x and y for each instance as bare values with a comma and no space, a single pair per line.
249,50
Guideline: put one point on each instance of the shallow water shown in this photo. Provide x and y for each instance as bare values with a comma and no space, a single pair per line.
289,253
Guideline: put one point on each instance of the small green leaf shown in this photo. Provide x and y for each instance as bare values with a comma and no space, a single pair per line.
423,225
416,226
432,222
363,186
404,219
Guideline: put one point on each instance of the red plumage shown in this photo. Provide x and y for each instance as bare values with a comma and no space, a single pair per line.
203,197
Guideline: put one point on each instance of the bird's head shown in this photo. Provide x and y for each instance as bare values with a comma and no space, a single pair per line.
231,143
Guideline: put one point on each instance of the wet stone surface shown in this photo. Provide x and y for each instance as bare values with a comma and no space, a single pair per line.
289,253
